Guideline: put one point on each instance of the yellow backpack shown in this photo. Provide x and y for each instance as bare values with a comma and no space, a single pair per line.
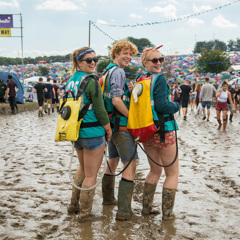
140,117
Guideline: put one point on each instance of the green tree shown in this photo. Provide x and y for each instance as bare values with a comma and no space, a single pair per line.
141,43
213,61
43,70
231,45
131,73
210,45
102,65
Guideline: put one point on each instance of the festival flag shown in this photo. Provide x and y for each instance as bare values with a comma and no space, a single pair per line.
6,21
5,32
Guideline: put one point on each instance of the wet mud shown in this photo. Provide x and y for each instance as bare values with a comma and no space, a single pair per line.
35,189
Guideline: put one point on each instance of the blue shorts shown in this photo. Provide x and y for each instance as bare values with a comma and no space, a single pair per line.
122,145
206,103
90,143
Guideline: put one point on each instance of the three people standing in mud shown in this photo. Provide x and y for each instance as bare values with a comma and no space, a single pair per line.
90,145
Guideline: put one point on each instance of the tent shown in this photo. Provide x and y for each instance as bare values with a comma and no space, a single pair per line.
4,76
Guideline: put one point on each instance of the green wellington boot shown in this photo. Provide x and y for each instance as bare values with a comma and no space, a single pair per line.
108,184
74,205
125,192
168,198
148,195
86,202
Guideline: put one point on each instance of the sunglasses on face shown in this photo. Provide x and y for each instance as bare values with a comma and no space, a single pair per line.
89,60
155,60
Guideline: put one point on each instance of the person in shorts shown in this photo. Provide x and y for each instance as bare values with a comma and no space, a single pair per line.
185,93
232,91
3,88
55,101
117,97
12,91
222,96
207,93
48,96
40,88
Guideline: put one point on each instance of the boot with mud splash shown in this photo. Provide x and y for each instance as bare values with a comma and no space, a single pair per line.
49,110
148,195
125,193
168,198
108,184
45,108
86,202
3,110
74,205
224,124
219,124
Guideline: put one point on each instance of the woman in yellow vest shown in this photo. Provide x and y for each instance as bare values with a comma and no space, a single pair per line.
94,126
161,152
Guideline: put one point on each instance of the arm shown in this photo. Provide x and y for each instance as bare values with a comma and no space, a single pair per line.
230,100
218,93
162,104
120,106
6,93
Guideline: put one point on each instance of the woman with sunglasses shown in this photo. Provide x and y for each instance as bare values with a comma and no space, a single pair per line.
95,125
161,147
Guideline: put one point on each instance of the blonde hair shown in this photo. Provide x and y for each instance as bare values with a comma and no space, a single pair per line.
198,87
74,58
123,44
146,52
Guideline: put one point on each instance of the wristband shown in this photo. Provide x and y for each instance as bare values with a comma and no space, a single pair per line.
108,130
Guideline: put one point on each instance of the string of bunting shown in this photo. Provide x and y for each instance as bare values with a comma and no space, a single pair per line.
168,21
99,29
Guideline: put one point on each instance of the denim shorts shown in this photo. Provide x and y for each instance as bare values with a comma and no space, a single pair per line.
206,103
122,145
90,143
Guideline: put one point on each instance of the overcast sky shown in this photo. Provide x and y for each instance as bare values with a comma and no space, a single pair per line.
57,27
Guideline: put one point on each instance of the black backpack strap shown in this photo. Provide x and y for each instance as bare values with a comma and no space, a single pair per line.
162,127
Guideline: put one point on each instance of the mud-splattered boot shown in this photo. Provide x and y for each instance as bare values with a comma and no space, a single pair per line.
168,198
125,192
148,195
52,110
86,202
45,108
219,124
74,205
108,184
57,109
48,111
39,113
224,124
3,110
230,118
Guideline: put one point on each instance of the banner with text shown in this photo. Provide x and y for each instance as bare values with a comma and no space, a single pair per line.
5,32
6,21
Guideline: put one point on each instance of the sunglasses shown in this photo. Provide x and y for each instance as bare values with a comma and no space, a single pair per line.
89,60
155,60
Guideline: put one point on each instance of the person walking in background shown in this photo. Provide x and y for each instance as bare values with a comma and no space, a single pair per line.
40,88
185,93
176,95
192,97
222,95
48,96
208,91
11,91
236,96
3,88
197,95
232,91
55,101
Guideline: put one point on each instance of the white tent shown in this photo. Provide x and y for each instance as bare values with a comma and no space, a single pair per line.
34,80
234,68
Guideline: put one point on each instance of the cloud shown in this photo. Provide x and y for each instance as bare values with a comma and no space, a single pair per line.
100,21
195,21
61,5
222,22
10,4
133,15
168,11
201,8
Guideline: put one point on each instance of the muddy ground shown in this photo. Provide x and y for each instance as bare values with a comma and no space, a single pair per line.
35,188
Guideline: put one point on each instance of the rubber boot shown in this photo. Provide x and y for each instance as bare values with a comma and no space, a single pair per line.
230,118
108,184
13,111
219,124
148,195
224,124
52,110
45,108
39,113
48,111
16,108
74,205
57,109
3,110
125,192
168,198
86,202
